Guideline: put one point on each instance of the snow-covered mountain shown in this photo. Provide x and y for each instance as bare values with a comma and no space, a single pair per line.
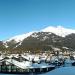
46,38
59,30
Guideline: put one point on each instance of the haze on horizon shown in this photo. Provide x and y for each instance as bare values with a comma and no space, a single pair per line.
22,16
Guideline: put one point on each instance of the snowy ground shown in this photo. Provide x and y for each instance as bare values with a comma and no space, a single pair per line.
61,71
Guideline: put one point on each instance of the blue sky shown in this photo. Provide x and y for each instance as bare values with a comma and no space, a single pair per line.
22,16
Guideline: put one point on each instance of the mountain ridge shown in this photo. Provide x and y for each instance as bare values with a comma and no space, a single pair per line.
58,30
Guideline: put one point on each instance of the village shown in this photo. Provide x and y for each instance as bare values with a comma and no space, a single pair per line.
38,63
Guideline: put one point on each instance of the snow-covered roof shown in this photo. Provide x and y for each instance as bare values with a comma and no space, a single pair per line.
42,65
23,65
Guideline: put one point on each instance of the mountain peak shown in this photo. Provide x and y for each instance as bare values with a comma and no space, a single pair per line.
59,30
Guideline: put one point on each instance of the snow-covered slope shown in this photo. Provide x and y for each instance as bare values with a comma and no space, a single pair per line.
62,71
19,38
59,30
